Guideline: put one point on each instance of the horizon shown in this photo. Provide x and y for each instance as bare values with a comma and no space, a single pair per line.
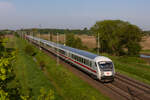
69,14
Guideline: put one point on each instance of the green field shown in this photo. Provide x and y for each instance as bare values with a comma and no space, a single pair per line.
57,78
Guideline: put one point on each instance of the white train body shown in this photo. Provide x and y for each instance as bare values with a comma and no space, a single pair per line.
99,67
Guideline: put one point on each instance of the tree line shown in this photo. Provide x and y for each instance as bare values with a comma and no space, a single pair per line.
146,32
115,37
118,37
60,31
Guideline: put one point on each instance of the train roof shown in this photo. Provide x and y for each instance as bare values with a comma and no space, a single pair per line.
80,52
77,51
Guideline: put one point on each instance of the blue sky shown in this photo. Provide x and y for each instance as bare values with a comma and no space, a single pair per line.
74,14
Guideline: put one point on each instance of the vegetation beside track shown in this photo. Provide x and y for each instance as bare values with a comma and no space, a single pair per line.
31,78
65,83
134,67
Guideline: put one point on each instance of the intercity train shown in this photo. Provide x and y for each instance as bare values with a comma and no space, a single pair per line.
99,67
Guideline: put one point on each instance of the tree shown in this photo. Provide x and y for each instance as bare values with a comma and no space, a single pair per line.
74,42
118,37
70,40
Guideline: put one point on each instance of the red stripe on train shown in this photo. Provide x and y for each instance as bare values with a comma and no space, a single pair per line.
75,62
78,63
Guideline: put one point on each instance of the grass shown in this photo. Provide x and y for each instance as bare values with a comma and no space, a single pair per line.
31,78
66,84
133,67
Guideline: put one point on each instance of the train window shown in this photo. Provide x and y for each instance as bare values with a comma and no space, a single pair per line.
72,56
75,57
84,61
62,51
79,59
90,64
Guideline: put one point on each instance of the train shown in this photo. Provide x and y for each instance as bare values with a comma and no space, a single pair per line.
98,67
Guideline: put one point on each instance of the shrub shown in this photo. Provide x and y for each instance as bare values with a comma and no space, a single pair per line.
74,42
46,95
29,49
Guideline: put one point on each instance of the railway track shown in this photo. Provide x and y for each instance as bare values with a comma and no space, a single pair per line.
123,88
135,89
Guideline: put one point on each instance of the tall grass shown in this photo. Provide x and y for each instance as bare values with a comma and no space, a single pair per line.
27,71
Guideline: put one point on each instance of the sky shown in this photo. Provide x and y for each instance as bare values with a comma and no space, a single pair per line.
71,14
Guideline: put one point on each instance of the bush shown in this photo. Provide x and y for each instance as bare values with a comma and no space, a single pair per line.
46,95
74,42
29,49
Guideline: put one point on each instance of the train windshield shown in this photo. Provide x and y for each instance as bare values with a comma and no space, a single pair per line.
105,65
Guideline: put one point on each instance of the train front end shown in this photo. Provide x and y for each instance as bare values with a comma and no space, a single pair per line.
105,68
